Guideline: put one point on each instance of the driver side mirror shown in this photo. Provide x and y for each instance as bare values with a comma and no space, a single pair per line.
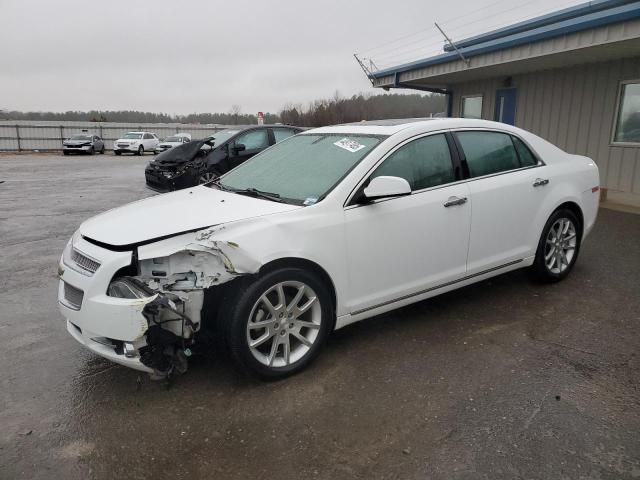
238,147
384,186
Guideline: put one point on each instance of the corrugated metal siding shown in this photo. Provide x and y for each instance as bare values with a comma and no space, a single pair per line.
574,108
578,42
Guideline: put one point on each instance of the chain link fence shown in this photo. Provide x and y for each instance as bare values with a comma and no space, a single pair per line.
27,136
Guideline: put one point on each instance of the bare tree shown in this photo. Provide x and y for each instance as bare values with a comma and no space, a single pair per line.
235,112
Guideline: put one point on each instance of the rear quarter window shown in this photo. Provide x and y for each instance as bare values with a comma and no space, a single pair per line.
527,158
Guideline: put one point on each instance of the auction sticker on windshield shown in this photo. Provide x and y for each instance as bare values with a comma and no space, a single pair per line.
350,145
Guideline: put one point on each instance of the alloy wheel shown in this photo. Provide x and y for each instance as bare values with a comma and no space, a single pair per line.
207,177
284,323
560,245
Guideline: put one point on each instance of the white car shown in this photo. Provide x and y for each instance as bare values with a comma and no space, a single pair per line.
136,142
172,141
326,228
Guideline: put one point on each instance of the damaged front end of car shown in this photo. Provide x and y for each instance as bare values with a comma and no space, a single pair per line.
176,168
150,317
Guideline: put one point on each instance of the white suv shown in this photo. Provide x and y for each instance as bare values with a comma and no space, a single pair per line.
136,142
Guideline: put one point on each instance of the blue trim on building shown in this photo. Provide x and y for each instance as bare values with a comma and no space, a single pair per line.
601,18
541,21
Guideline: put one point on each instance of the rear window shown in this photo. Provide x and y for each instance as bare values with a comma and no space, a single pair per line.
282,133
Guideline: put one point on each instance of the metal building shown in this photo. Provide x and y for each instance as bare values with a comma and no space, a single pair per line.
571,77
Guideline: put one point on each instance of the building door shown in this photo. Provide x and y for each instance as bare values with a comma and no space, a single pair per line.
506,106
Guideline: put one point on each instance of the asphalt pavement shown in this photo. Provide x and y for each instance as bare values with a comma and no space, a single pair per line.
504,379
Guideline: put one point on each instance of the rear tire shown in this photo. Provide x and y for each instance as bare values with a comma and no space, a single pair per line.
140,150
276,326
558,247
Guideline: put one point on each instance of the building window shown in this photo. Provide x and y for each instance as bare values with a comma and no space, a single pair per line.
628,120
472,106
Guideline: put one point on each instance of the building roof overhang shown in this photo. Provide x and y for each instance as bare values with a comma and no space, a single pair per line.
612,31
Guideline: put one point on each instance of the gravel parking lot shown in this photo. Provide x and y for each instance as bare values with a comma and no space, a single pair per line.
503,379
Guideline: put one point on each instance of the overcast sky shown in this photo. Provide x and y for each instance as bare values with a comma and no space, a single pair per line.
206,55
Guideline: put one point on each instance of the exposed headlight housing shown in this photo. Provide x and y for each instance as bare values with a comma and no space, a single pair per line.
124,287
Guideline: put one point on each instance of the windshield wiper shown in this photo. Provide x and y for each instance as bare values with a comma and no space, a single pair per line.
252,192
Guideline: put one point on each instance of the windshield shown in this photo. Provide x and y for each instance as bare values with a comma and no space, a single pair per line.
302,168
81,137
220,137
133,136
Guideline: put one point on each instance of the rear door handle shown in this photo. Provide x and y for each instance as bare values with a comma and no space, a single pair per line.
540,182
453,201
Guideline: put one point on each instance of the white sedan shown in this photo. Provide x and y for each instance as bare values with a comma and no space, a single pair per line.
329,227
136,142
172,141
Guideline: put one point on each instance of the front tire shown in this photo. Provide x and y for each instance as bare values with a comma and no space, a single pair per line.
278,324
117,152
558,247
91,151
140,150
207,177
102,150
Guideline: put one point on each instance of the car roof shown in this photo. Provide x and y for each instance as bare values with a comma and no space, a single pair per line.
269,125
392,126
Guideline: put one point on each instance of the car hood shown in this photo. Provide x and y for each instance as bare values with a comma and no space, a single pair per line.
76,142
174,213
183,153
169,144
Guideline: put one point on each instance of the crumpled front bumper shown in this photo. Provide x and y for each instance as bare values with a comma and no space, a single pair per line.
158,181
100,322
83,149
103,349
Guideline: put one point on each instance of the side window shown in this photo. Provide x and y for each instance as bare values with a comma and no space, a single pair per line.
424,163
255,140
527,159
147,136
282,133
488,152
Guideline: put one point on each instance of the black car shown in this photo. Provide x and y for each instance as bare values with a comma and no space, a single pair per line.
202,161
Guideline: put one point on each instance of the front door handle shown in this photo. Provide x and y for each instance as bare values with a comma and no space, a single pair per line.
540,182
453,201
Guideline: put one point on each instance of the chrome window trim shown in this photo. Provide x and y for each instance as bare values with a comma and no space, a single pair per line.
540,163
384,157
504,172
